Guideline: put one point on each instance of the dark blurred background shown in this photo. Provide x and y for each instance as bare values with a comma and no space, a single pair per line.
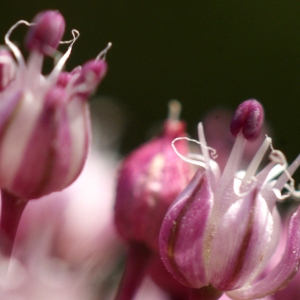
203,53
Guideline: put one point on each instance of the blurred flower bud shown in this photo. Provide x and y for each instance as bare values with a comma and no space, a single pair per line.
149,180
45,126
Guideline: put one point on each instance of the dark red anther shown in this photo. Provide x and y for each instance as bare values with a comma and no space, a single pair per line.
46,33
248,117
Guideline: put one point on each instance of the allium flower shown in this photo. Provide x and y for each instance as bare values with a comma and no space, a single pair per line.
44,126
44,120
223,228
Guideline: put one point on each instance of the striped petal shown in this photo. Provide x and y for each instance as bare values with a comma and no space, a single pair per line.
240,242
280,276
182,236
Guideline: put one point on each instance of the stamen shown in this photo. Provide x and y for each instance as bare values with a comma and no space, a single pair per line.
259,155
17,53
102,54
203,144
234,159
237,188
266,174
187,159
281,197
293,192
248,118
59,66
287,175
277,156
174,110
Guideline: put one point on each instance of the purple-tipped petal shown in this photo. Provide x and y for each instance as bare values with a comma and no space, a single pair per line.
248,117
182,236
47,32
280,276
240,243
91,75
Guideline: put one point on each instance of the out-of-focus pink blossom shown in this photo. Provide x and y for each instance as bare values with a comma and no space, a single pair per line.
45,126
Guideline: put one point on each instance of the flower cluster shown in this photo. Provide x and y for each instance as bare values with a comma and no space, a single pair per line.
195,226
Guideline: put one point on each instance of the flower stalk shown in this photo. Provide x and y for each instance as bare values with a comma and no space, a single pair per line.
11,212
137,262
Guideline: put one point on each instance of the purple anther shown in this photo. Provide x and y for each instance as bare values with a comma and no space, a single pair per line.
46,33
7,68
248,117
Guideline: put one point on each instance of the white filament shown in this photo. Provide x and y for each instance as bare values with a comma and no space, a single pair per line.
259,155
60,64
102,54
17,53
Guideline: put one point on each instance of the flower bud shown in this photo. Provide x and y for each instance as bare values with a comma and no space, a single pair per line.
149,180
46,33
249,118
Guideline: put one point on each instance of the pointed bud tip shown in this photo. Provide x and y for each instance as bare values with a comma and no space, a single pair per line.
46,33
248,117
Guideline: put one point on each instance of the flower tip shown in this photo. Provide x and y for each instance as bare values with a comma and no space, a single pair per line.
46,32
173,126
248,117
91,75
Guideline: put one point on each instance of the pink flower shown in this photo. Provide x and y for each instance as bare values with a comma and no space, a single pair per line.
45,126
223,228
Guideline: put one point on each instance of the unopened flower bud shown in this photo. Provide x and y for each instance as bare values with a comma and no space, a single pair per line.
7,68
46,33
150,178
249,118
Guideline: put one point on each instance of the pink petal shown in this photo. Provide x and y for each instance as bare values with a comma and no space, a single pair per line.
280,276
182,233
240,243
